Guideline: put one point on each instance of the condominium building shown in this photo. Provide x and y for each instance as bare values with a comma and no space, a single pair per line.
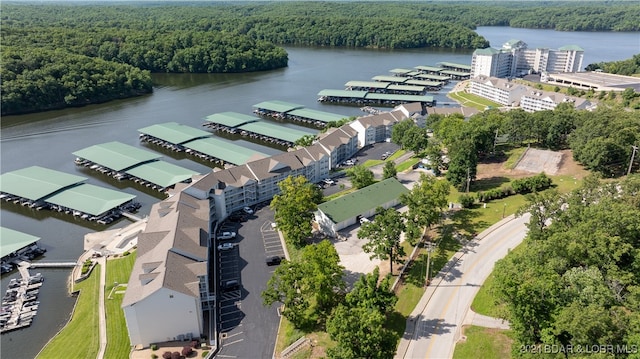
498,90
515,59
537,100
169,290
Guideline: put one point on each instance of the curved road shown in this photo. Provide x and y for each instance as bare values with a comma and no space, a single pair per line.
435,325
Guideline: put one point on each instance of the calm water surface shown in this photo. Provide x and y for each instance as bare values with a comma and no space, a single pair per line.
48,139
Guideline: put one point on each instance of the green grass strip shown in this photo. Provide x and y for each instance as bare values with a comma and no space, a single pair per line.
118,271
80,337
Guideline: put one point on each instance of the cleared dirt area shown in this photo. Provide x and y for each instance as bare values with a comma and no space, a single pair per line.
566,165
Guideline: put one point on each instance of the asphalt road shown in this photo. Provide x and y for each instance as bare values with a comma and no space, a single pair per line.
440,314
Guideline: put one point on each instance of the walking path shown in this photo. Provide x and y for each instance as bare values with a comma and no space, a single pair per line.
473,318
102,317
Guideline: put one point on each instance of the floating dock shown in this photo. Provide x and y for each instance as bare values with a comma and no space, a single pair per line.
122,161
281,110
366,98
19,304
42,188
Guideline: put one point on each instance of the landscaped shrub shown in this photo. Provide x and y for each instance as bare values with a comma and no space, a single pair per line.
126,253
154,356
466,200
187,350
154,346
175,355
86,266
166,355
194,343
205,353
531,184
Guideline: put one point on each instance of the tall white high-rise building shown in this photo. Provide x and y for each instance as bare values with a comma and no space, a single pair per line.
515,59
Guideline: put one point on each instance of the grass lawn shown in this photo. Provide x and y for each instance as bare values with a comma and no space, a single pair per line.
407,164
513,156
118,271
485,303
490,343
470,100
80,337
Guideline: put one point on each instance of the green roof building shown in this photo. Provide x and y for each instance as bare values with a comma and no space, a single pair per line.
342,212
13,241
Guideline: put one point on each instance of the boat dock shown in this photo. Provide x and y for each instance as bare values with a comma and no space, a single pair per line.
281,110
19,304
367,98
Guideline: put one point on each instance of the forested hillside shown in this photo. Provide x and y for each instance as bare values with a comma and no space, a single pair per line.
574,283
624,67
224,37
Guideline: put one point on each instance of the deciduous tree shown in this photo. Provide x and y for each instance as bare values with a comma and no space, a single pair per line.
383,235
294,208
360,176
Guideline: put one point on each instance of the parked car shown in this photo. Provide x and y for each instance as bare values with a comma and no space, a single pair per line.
226,246
230,285
274,260
385,155
329,181
364,220
248,210
226,235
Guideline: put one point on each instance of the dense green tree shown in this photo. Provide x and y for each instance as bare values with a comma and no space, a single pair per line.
389,170
383,236
399,130
575,279
309,287
360,176
294,208
463,163
425,202
306,140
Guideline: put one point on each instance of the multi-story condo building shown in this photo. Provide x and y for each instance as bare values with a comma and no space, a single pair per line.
169,288
537,100
498,90
515,59
170,273
508,93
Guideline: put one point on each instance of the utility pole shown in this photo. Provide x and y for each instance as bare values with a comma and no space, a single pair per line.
633,155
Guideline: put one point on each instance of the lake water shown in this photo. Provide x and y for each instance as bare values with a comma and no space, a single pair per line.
48,139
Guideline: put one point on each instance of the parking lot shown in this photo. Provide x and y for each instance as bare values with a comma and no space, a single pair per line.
247,328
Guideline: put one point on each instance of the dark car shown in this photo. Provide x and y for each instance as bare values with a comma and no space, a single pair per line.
230,285
274,261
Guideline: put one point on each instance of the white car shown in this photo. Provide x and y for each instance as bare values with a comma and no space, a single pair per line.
227,235
226,246
248,210
329,181
364,220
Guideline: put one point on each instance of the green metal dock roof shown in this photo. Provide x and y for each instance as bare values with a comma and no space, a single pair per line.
36,182
90,199
226,151
174,132
161,173
429,68
393,97
317,115
400,71
276,131
13,240
343,93
424,83
116,155
455,73
278,106
387,78
407,87
363,200
433,77
231,119
369,84
456,65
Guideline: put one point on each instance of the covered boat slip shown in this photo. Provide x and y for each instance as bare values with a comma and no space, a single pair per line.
13,241
92,202
228,121
31,184
171,135
222,152
385,87
282,110
39,187
455,66
456,75
272,133
122,161
369,98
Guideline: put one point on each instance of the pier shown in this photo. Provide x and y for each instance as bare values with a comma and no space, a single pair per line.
53,265
19,305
